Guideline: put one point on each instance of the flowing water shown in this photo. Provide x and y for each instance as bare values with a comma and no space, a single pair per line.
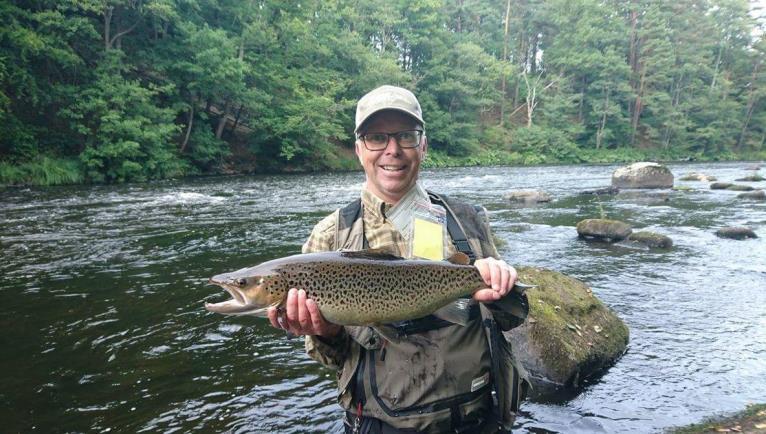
102,291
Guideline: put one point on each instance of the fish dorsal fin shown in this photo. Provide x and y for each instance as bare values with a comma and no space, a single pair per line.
457,312
459,258
376,254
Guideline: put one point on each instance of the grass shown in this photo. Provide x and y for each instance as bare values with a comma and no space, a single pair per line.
45,171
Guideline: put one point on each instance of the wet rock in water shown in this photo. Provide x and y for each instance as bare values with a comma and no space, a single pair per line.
751,178
601,191
753,167
651,239
755,195
694,176
643,175
527,196
720,185
569,337
740,187
603,229
736,233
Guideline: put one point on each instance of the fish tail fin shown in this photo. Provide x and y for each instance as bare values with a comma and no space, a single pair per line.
457,312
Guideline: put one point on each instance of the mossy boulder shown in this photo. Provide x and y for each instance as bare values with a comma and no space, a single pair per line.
736,233
740,187
569,337
720,185
643,175
755,195
651,239
751,178
694,176
527,196
601,191
603,229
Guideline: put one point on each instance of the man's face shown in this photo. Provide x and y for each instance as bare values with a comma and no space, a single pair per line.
391,172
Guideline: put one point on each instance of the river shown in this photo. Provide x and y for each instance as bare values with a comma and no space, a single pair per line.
102,291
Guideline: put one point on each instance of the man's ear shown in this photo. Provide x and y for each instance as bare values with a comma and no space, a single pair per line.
425,146
357,149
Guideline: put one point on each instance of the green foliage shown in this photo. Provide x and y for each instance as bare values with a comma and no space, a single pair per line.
125,136
144,90
46,171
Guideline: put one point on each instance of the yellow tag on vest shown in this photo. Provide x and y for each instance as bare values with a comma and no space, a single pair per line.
428,240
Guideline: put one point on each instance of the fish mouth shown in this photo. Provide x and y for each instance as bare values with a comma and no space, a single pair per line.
237,305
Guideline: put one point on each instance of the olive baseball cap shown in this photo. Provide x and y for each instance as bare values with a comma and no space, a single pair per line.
387,98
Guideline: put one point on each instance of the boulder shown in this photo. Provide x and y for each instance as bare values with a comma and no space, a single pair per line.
569,337
603,229
756,195
643,175
694,176
601,191
651,239
753,167
720,185
527,196
736,233
740,187
751,178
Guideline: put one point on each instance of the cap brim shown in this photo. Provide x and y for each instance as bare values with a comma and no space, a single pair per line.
401,110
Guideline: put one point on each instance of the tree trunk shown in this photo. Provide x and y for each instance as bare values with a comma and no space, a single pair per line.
222,121
600,132
505,59
188,127
108,11
236,119
717,65
637,108
750,104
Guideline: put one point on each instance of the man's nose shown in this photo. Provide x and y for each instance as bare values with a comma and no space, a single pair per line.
392,146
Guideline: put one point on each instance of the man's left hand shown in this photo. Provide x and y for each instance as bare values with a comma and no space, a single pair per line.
498,276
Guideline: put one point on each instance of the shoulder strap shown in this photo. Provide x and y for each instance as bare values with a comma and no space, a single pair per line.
349,213
453,227
346,218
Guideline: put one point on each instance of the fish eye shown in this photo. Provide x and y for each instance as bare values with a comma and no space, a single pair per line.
242,281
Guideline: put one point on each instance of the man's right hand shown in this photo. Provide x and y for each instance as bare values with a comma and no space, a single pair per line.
301,317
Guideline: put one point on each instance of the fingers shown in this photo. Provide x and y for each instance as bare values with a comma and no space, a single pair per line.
304,320
499,277
273,313
317,322
301,316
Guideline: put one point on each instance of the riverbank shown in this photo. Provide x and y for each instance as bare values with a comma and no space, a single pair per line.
750,420
69,171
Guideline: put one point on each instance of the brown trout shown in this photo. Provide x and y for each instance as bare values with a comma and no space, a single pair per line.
356,288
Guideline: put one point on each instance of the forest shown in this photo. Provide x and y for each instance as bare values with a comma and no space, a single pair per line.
105,91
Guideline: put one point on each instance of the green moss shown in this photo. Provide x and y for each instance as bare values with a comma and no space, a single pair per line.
750,420
567,335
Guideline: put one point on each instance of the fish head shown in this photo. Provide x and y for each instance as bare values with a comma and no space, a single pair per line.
251,293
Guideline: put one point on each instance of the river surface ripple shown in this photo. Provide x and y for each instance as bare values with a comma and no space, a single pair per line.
102,288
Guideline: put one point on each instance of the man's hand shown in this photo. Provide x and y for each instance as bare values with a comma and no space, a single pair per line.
301,316
498,276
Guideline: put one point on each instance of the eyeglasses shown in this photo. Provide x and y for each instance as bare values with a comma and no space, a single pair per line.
379,141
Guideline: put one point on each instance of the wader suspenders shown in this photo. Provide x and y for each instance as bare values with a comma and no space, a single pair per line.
348,215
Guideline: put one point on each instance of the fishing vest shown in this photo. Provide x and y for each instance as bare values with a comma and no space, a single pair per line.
429,375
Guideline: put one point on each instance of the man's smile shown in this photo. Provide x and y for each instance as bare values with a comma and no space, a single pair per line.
392,168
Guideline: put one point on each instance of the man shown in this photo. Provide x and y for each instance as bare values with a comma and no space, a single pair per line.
426,375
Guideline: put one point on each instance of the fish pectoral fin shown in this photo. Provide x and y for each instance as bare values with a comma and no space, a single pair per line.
459,258
378,254
457,312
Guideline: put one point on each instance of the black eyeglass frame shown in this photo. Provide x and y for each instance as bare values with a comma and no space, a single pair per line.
395,135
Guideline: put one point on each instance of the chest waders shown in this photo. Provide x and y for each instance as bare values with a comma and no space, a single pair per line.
485,396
